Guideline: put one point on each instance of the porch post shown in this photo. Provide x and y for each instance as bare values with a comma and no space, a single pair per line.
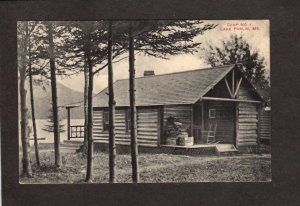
68,111
160,125
237,116
236,123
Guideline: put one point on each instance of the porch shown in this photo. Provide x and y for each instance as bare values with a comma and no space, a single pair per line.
235,122
219,149
74,131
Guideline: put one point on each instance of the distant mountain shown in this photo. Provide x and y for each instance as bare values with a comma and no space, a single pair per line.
66,95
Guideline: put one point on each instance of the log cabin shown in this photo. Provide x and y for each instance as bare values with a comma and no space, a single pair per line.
202,99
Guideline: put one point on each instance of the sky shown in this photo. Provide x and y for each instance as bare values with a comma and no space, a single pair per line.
255,32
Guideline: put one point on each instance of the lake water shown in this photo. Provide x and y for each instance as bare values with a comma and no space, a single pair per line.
41,123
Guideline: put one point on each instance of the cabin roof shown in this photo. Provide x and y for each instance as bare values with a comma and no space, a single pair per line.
166,89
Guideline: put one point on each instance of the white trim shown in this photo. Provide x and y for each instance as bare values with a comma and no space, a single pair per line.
230,100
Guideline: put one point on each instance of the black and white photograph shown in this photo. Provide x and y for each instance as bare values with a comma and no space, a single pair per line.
144,101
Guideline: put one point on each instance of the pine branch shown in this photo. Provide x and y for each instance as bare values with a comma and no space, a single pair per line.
115,55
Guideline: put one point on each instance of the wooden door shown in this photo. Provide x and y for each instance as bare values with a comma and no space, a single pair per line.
197,123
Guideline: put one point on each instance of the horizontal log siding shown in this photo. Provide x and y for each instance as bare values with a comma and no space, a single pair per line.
247,133
265,125
147,126
247,124
97,122
182,113
224,118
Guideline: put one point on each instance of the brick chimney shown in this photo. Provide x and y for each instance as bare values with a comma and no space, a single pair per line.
149,73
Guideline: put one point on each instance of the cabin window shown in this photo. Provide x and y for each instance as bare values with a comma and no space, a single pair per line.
212,113
105,120
128,120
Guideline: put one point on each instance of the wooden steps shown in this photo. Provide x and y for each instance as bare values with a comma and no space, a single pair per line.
219,149
226,149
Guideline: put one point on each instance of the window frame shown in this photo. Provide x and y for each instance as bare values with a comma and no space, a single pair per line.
210,112
105,124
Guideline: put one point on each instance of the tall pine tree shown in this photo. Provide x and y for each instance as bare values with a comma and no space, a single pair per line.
111,103
32,26
23,35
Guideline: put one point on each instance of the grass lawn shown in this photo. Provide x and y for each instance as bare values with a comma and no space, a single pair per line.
155,168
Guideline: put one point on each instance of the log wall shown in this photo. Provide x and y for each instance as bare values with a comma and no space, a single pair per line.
247,124
182,113
265,125
147,126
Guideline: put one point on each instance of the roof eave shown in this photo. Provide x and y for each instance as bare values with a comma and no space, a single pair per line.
215,82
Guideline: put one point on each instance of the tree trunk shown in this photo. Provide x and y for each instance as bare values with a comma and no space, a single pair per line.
112,145
26,165
32,110
89,172
134,147
54,96
85,99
